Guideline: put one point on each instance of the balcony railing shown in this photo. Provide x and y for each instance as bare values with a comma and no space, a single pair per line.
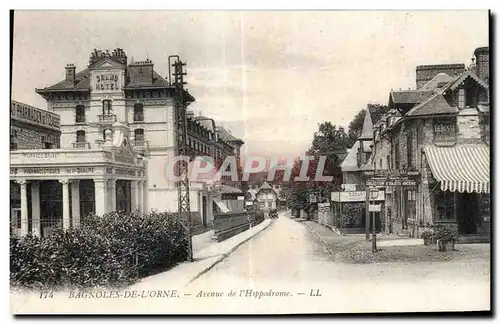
107,118
81,145
141,145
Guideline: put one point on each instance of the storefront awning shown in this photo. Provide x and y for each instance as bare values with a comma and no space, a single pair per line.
460,168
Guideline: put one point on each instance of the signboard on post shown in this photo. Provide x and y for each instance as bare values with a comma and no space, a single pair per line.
355,196
312,198
375,208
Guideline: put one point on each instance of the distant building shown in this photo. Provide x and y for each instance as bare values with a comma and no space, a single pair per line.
33,128
266,196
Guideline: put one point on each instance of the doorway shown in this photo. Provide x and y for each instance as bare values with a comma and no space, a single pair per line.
467,212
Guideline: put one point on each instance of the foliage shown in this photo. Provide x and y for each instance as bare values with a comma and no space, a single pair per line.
353,214
330,143
111,250
427,235
446,233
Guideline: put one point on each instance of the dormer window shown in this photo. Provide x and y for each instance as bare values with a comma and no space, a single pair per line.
461,98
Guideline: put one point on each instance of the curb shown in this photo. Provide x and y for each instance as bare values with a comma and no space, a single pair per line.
225,255
319,238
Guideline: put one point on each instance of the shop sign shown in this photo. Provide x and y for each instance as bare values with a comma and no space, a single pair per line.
32,115
40,155
80,170
444,131
357,196
41,171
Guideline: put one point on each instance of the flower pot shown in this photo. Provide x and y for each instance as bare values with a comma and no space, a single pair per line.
427,241
441,246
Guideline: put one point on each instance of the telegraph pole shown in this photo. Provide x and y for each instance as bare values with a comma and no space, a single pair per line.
181,149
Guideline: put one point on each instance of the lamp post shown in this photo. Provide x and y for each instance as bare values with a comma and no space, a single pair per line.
373,196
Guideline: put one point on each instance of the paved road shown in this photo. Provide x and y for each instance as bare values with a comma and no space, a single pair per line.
288,258
290,263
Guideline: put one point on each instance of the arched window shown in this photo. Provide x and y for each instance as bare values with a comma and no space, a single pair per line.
139,135
80,136
107,108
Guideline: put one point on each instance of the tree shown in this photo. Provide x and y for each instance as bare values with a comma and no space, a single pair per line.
329,142
356,125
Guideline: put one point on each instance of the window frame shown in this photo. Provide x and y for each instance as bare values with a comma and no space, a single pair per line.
138,112
445,204
79,135
107,107
79,113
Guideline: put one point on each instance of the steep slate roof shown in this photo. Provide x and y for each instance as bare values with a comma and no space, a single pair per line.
461,78
82,82
409,96
350,163
228,136
437,82
367,132
434,105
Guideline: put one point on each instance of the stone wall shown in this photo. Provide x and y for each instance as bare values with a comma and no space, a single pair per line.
28,137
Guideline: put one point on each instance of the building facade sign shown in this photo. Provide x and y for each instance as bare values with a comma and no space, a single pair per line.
35,116
80,170
125,172
106,82
445,131
354,196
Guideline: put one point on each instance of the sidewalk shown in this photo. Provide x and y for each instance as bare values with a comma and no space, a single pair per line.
206,255
355,250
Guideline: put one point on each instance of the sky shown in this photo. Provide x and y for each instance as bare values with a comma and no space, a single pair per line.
268,76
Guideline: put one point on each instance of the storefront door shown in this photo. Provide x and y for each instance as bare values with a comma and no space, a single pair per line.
467,213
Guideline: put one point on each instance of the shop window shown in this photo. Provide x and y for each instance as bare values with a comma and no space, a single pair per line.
80,136
80,114
107,108
138,112
445,206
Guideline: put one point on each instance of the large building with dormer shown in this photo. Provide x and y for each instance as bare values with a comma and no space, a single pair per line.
112,89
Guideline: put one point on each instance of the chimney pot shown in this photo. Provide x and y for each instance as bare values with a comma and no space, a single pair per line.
70,74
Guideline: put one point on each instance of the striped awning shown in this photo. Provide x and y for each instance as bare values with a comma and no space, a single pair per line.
460,168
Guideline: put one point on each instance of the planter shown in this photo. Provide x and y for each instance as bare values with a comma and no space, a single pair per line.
428,241
444,246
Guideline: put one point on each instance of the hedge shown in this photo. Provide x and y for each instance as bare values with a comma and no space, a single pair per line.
112,250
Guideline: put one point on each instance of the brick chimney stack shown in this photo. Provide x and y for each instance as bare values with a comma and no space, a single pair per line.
482,55
70,74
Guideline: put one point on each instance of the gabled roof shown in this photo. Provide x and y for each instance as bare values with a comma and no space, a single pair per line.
433,106
409,96
82,82
350,163
226,135
461,78
265,185
440,80
367,132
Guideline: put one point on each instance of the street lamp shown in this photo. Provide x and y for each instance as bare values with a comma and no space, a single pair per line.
373,196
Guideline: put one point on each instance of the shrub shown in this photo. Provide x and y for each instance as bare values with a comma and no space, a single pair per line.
427,235
446,233
112,250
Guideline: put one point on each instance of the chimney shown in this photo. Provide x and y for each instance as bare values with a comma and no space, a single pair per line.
425,73
482,55
141,73
70,74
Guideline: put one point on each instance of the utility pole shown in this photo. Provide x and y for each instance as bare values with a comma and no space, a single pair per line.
181,148
374,195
